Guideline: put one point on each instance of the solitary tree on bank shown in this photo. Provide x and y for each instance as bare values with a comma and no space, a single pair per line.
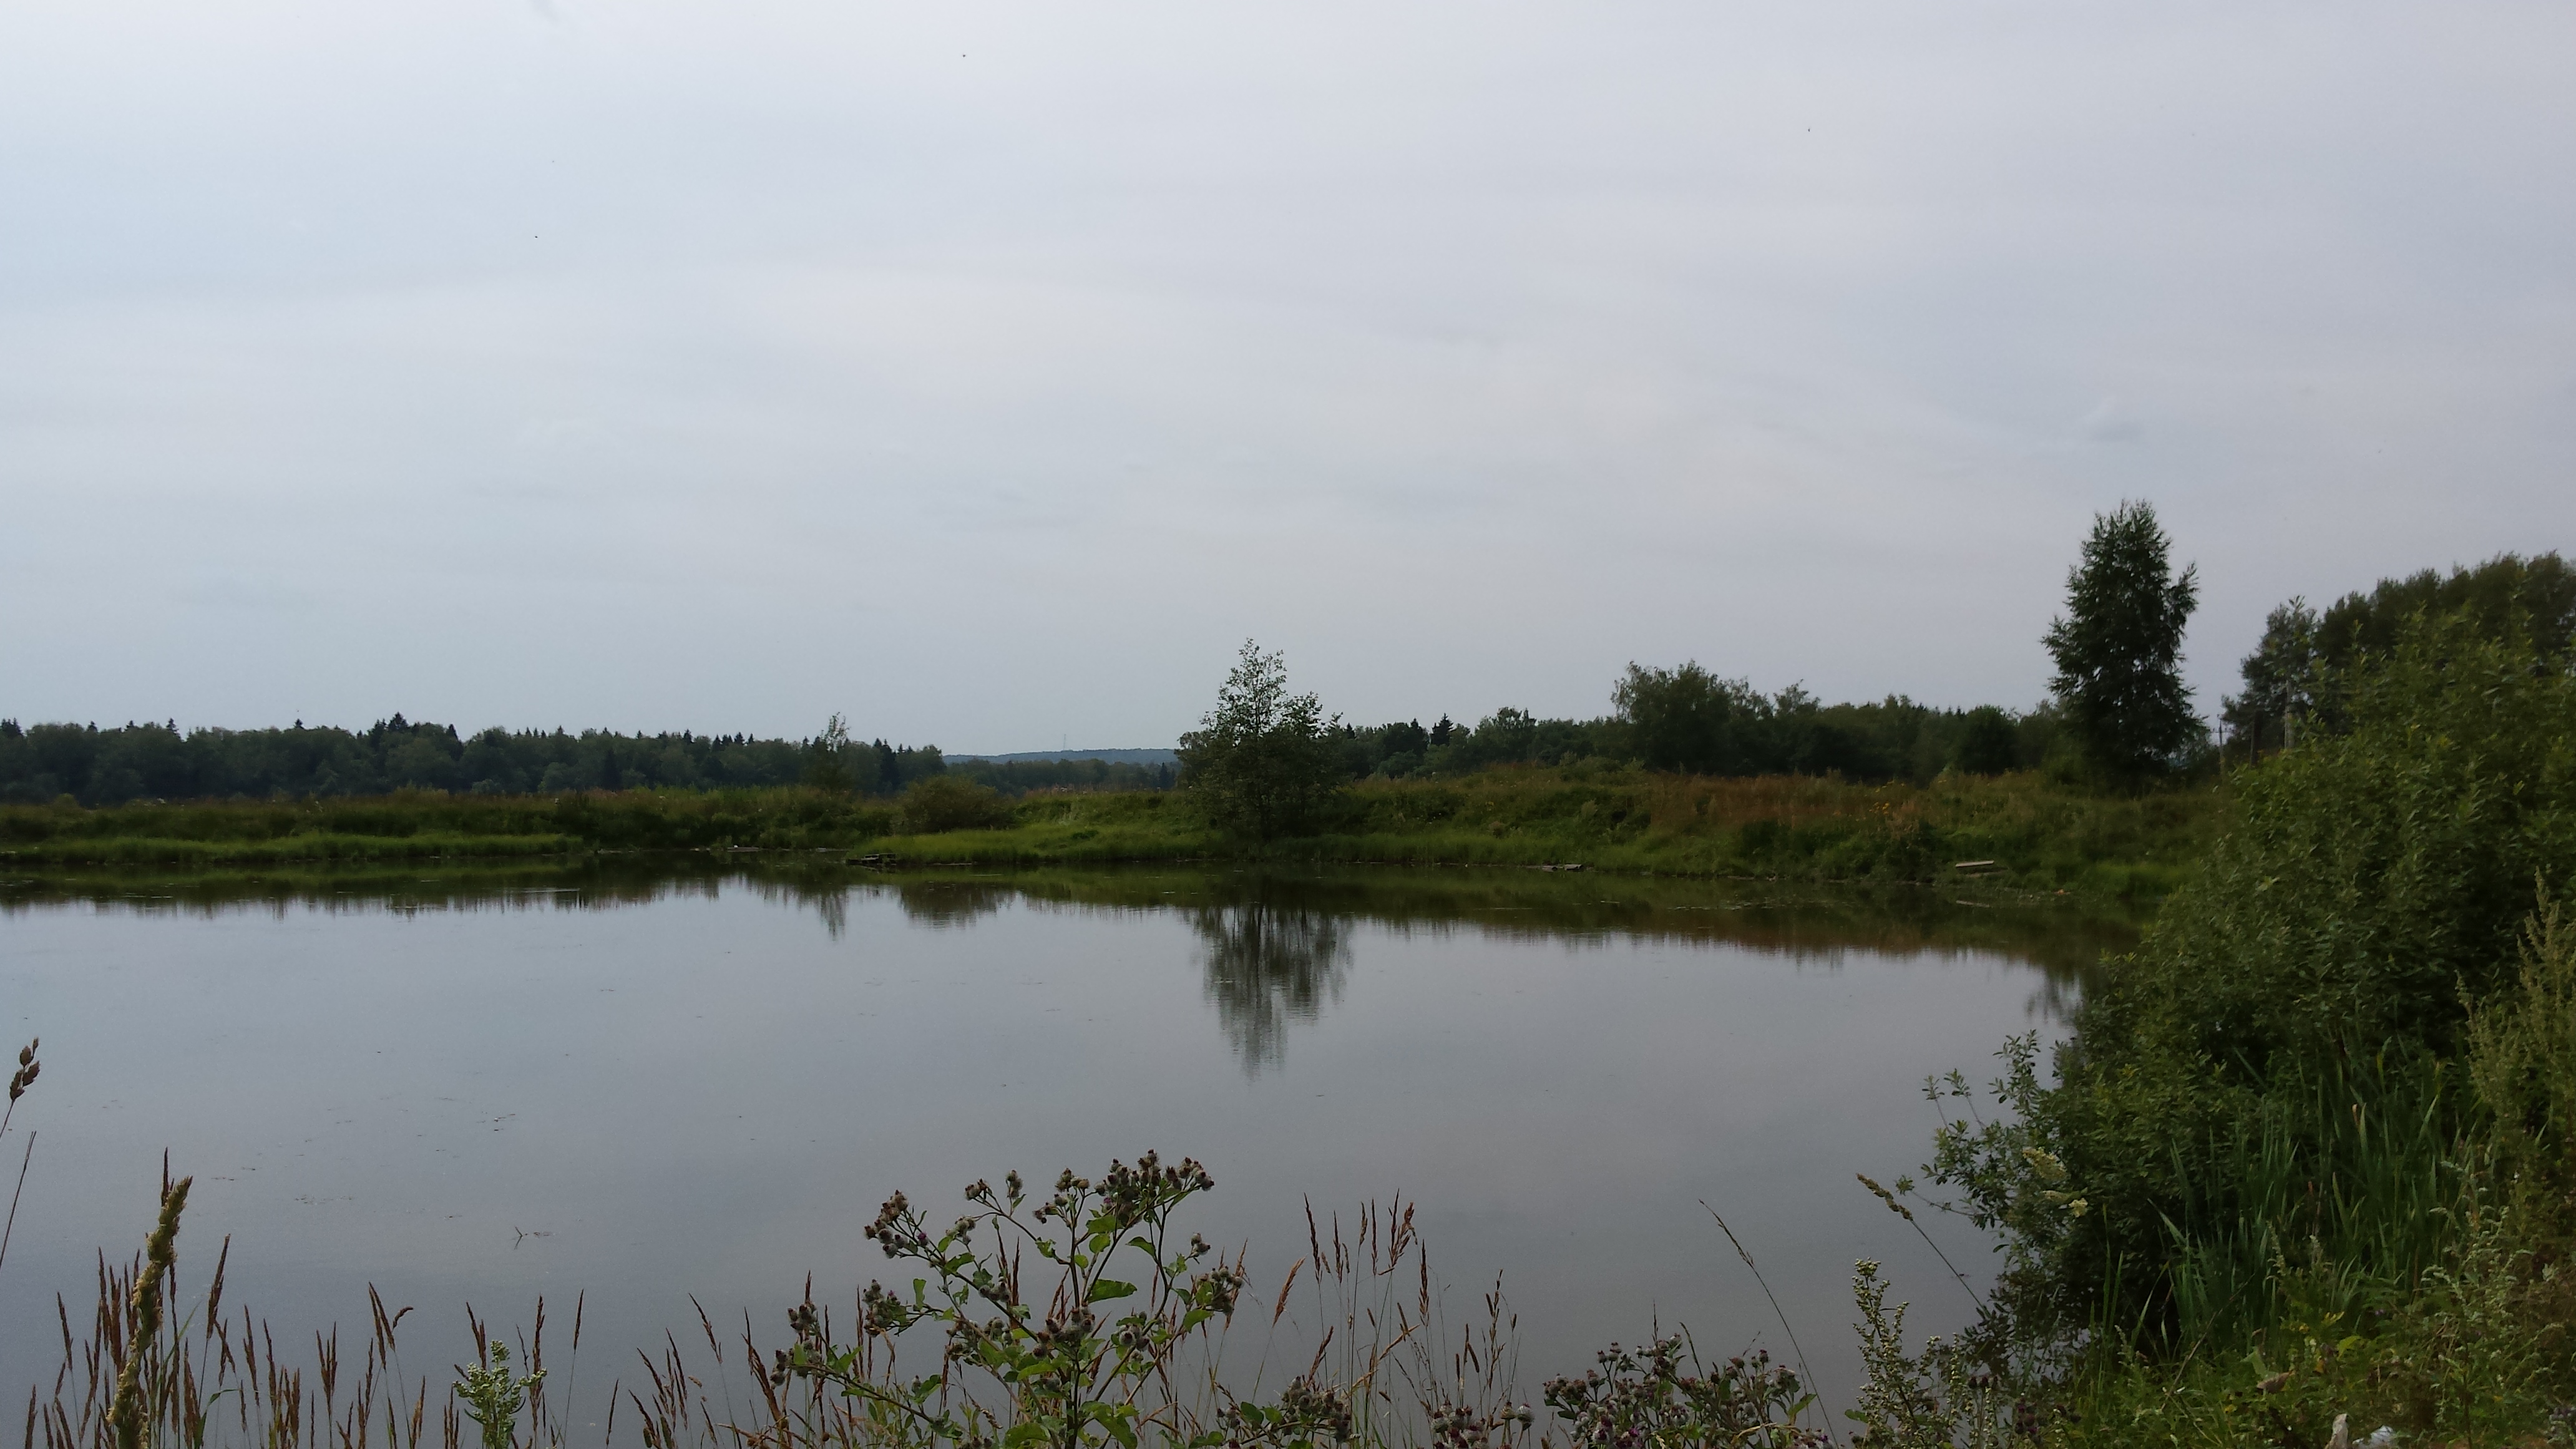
1263,759
2119,647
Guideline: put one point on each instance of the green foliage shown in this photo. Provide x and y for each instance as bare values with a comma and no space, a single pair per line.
945,802
1685,719
2371,877
1263,760
2036,833
831,764
1688,719
2505,596
1942,1398
493,1395
2297,677
2473,1351
420,825
1028,1362
2522,1060
2280,682
1662,1397
1790,732
2284,1017
2258,1195
1987,744
2118,648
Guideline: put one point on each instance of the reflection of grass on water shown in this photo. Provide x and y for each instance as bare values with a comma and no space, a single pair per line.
2065,935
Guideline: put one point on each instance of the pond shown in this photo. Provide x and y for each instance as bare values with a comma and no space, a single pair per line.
646,1082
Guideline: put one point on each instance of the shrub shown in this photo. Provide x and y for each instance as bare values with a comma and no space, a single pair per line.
945,802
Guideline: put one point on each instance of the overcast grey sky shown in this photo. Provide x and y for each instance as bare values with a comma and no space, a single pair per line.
988,372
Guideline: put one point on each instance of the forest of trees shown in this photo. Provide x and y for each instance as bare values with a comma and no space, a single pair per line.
158,761
2296,677
1689,719
109,766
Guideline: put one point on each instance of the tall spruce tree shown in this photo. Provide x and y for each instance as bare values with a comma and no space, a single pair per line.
2118,647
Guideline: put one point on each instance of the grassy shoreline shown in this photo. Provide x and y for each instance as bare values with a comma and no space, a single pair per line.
2021,830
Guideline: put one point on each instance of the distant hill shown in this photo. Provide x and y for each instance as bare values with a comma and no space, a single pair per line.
1113,757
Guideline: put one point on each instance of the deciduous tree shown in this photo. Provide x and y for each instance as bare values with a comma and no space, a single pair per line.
2118,647
1262,761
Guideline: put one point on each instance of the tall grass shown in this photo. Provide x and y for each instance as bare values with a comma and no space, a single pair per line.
2331,1200
2015,831
2023,831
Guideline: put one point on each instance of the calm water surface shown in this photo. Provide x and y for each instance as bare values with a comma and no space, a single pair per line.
644,1083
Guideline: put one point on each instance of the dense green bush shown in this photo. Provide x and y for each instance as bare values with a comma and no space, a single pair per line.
2273,1072
944,802
2372,877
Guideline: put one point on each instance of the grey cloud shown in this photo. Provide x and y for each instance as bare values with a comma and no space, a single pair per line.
786,359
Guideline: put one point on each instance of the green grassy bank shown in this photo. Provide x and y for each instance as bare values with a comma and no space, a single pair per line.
2024,830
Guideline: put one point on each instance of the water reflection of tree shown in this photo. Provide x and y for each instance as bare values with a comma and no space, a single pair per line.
942,904
1268,965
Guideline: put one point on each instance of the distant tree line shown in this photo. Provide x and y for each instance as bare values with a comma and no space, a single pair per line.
1670,719
1690,720
119,763
1022,777
147,761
